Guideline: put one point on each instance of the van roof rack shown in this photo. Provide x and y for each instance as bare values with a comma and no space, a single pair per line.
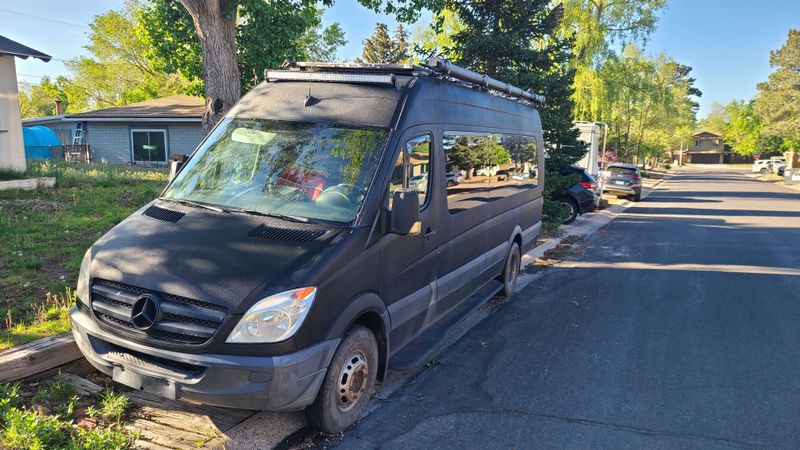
385,74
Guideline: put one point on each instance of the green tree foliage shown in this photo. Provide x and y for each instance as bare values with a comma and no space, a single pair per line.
382,48
516,41
323,44
37,100
593,26
436,38
267,34
117,72
743,128
649,104
778,100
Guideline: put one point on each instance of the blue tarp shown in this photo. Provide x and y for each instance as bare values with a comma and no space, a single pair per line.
38,140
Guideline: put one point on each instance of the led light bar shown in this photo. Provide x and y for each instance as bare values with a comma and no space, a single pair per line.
328,77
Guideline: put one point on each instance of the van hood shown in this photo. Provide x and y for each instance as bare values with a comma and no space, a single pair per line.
216,257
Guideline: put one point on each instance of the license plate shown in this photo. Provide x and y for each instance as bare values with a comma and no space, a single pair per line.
158,386
619,182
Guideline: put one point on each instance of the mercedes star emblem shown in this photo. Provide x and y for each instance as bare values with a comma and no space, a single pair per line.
145,312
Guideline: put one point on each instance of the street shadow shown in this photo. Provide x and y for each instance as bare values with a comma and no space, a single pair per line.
643,210
735,194
676,199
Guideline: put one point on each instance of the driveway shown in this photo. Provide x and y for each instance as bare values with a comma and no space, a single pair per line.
677,325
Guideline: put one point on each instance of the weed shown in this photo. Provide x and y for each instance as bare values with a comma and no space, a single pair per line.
113,405
44,234
11,174
23,429
56,392
99,439
9,398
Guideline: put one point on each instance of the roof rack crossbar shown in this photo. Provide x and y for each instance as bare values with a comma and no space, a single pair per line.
444,67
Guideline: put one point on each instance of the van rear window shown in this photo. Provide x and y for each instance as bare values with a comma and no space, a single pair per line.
491,166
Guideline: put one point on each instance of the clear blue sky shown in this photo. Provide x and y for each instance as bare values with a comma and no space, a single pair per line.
727,42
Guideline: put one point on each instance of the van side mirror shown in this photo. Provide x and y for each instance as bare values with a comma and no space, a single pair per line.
404,218
175,164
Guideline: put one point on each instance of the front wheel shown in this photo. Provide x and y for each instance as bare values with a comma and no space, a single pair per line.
764,171
349,383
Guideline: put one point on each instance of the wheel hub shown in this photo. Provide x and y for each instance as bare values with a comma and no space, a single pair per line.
353,378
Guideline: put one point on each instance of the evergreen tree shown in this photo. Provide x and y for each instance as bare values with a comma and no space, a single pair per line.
516,41
380,48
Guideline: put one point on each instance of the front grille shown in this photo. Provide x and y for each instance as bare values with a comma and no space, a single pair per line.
181,320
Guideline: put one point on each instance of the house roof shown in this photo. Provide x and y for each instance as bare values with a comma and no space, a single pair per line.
706,134
181,108
9,47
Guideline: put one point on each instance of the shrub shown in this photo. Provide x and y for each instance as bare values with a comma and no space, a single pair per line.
23,429
99,439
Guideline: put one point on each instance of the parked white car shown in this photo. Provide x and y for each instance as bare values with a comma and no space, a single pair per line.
765,166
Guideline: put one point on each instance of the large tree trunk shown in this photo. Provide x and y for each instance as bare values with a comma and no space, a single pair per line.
215,24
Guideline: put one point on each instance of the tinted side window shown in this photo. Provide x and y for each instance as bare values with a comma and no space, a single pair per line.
412,168
491,166
522,167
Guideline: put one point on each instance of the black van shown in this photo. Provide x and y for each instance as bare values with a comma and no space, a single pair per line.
312,240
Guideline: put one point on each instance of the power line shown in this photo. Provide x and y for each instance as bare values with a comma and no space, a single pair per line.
72,24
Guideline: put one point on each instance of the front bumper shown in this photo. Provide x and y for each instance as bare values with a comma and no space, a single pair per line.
274,383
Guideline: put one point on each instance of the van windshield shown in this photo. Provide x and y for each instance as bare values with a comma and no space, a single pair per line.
305,170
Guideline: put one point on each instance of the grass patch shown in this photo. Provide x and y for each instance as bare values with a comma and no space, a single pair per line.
59,419
11,174
45,232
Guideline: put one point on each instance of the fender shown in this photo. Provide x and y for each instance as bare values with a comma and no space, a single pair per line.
367,302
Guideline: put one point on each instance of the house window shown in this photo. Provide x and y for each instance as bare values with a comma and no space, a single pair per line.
149,146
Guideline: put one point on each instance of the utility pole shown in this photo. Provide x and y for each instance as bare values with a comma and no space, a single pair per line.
680,158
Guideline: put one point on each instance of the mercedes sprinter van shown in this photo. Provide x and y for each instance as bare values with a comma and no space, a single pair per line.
313,240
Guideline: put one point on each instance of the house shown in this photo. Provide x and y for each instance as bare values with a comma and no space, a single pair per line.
12,152
709,148
140,133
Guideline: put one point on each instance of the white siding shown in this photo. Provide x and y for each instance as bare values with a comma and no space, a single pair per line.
12,152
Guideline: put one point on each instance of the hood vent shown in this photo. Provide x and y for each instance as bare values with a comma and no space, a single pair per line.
166,215
285,234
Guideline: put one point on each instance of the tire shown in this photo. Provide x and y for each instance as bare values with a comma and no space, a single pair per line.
637,196
764,171
573,210
511,271
451,183
341,402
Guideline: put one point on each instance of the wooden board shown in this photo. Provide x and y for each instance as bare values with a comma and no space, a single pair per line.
28,360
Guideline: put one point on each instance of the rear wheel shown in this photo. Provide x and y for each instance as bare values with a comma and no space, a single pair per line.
764,171
511,270
572,208
637,196
349,383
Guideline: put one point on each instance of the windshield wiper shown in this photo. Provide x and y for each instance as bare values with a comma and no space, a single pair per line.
191,203
255,212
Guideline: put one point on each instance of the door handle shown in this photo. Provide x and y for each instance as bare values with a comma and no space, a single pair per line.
429,234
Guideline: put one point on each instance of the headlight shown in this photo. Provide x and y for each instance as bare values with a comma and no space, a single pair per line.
82,290
275,318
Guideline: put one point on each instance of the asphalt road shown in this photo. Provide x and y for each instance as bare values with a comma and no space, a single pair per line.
675,326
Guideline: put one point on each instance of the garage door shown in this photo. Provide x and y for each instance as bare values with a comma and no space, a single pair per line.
705,159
